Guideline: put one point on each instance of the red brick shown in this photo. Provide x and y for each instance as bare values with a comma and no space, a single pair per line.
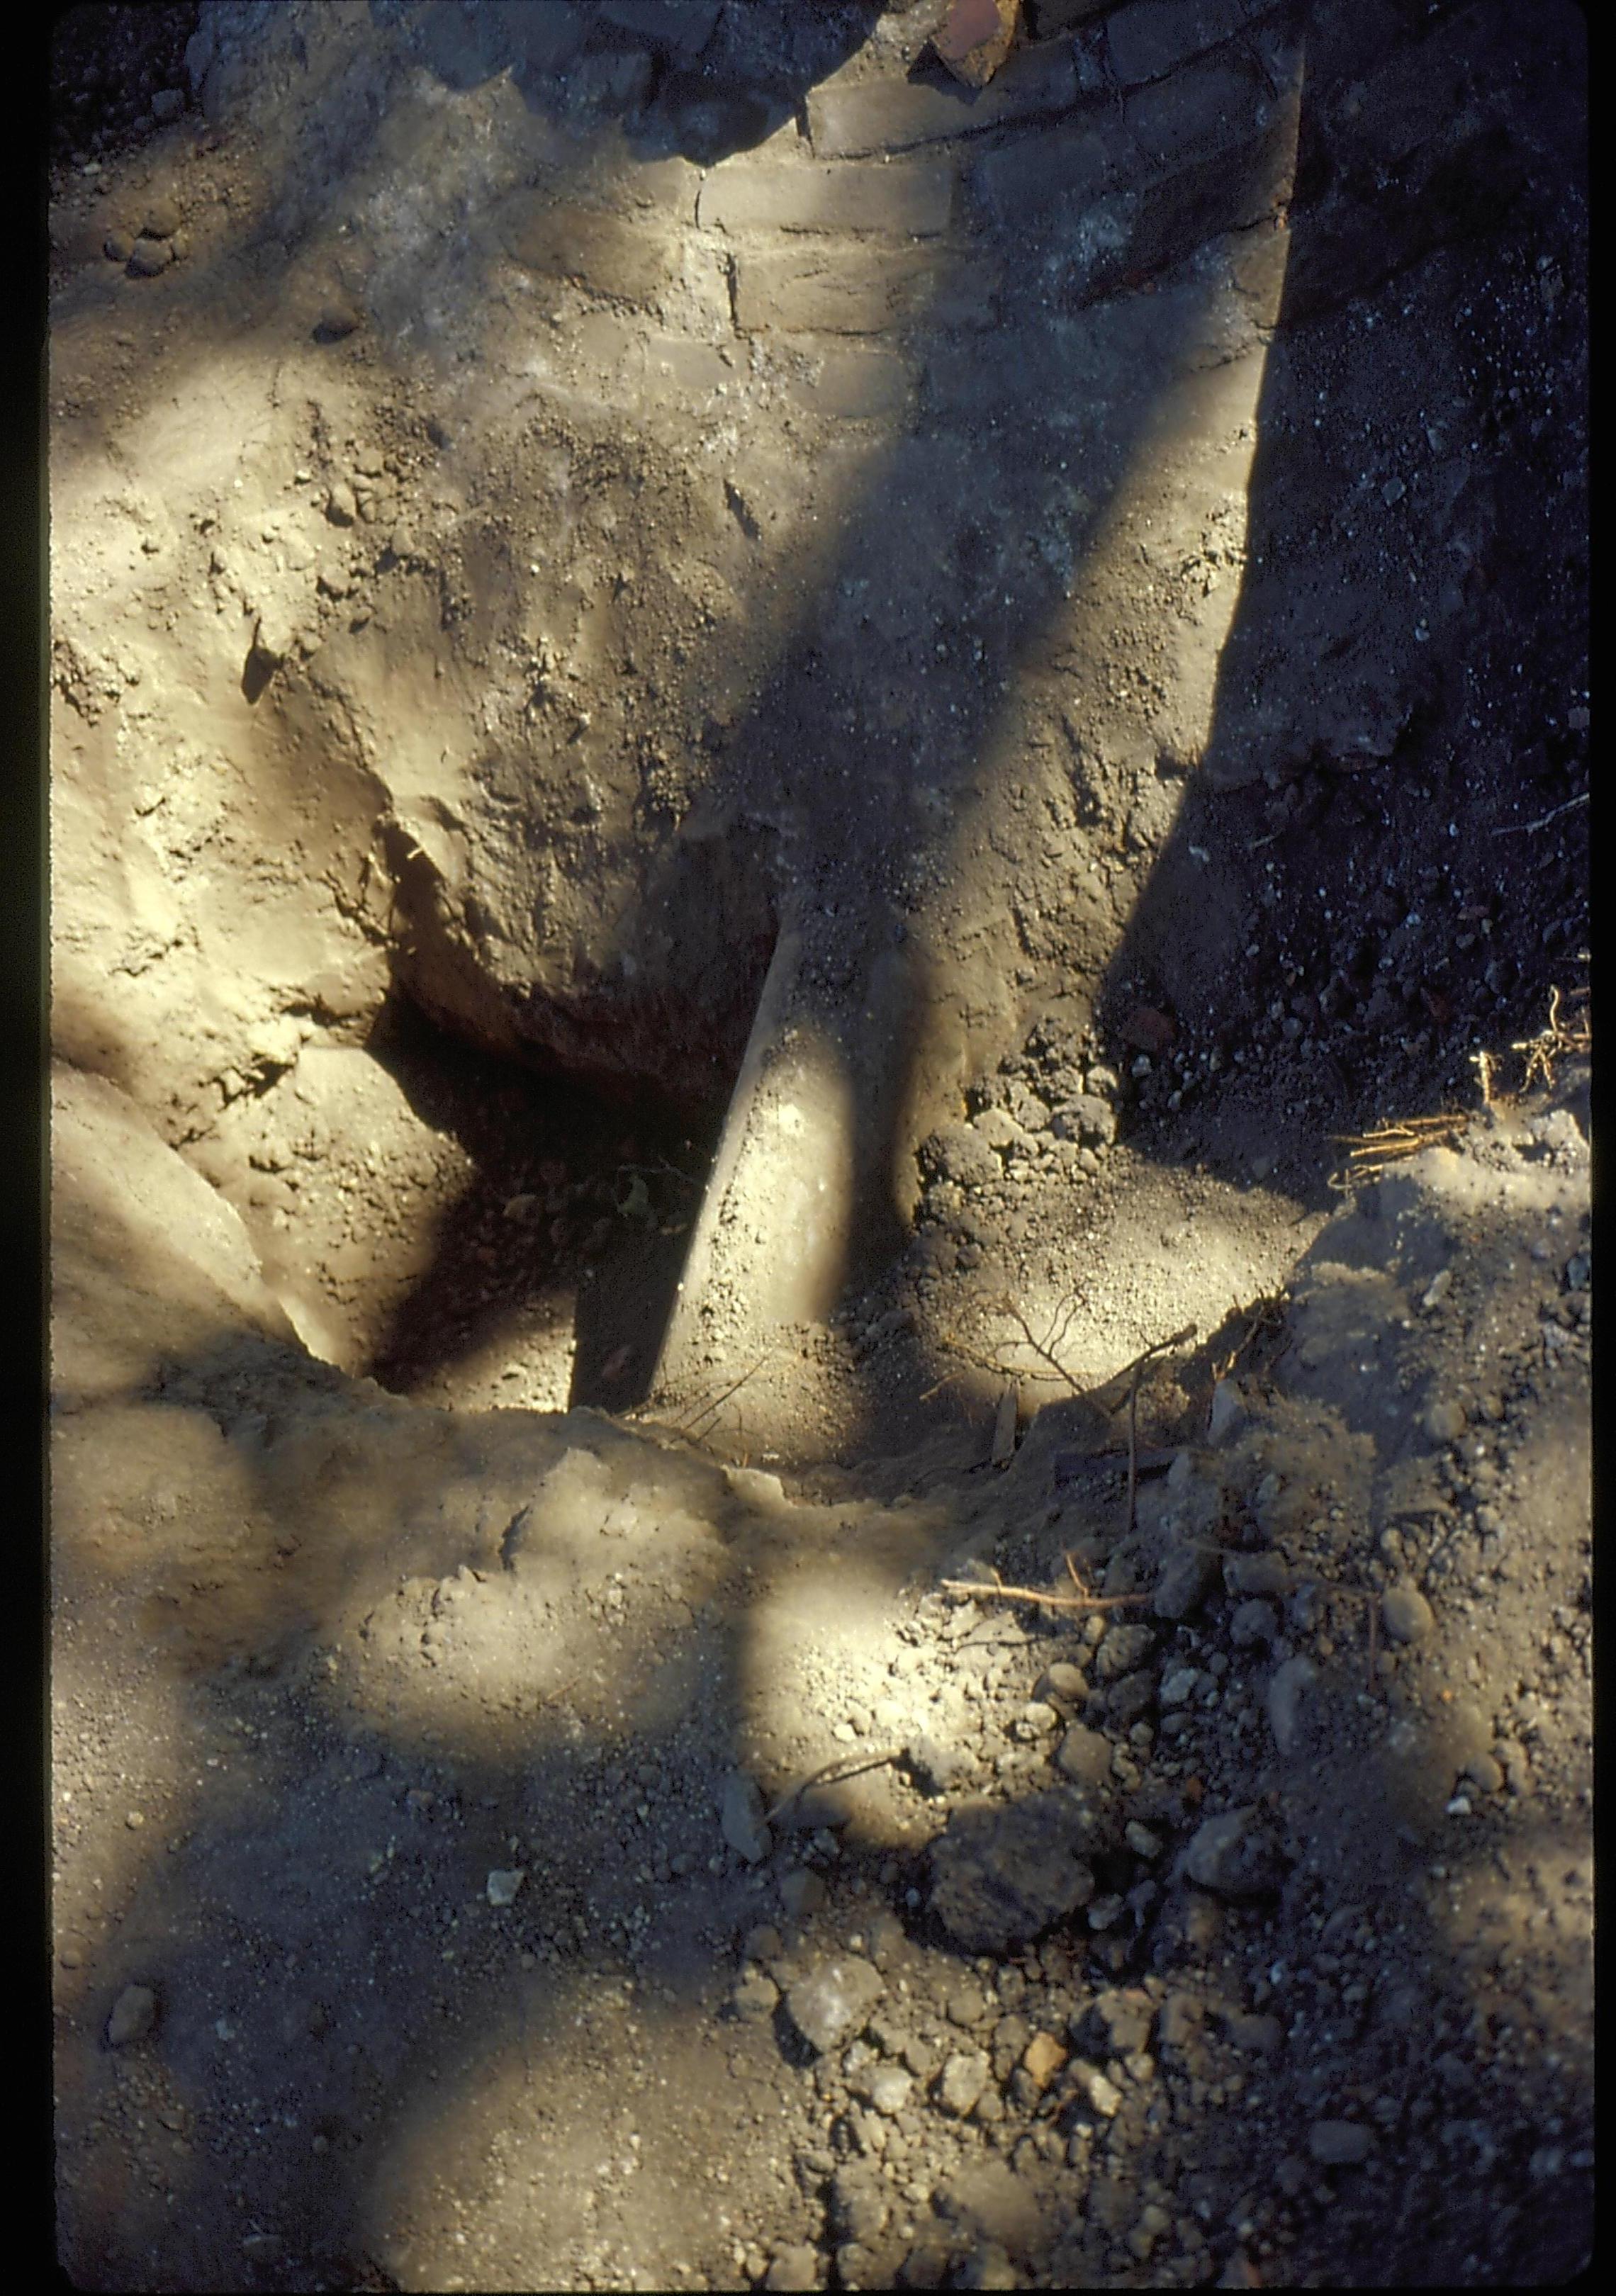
913,198
891,115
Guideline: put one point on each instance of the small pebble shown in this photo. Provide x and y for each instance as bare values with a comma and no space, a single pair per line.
890,2088
795,2268
1085,1756
1406,1614
133,2014
830,2004
961,2081
1444,1423
801,1892
1099,2094
755,1996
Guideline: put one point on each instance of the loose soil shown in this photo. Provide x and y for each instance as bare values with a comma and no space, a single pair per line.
753,766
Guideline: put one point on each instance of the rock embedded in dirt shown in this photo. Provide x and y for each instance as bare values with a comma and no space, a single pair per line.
889,2088
1123,1649
162,218
1227,1414
741,1817
1483,1771
801,1892
1042,2060
1444,1421
794,2267
1234,1856
148,257
1187,1576
884,1939
963,2078
832,2001
989,2200
133,2015
273,636
1087,1119
118,246
966,2005
1406,1614
957,1152
937,1768
1062,1682
756,1995
1085,1757
1001,1875
1119,2020
1129,1699
1101,2094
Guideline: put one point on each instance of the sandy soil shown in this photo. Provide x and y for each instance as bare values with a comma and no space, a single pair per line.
751,769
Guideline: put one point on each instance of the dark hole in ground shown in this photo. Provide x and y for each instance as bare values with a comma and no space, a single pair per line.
579,1212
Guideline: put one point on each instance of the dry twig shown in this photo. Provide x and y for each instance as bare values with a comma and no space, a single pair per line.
833,1772
1265,1313
1525,828
1370,1153
1555,1041
1156,1347
706,1412
1082,1601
